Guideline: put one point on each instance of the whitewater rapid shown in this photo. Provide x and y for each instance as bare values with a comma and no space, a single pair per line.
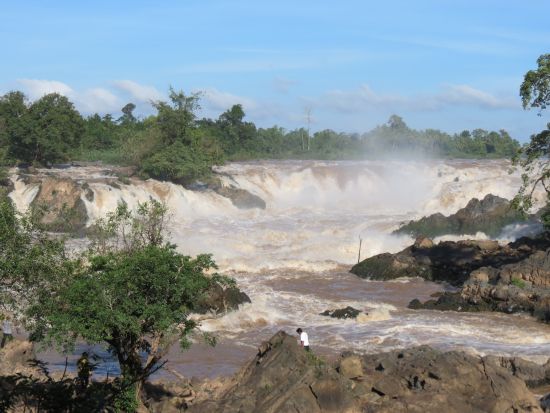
292,257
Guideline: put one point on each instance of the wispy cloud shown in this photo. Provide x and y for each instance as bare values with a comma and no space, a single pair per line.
36,88
141,93
217,100
362,98
88,100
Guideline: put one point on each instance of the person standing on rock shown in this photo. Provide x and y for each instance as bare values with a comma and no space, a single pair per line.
304,339
7,333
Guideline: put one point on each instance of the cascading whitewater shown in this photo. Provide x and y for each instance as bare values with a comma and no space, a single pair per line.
292,257
315,210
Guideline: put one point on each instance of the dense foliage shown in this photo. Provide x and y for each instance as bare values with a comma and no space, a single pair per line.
175,145
533,158
131,292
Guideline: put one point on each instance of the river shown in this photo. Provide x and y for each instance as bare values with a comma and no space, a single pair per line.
292,258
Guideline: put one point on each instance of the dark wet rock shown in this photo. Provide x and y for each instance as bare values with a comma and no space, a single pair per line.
489,215
6,185
241,198
447,261
220,300
450,302
521,286
342,313
284,378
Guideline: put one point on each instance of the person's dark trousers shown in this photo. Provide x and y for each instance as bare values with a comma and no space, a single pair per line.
307,348
5,338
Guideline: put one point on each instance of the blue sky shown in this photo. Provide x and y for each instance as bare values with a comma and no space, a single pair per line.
451,65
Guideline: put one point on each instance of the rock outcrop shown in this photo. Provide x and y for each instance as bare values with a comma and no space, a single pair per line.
241,198
447,261
489,216
220,300
342,313
284,378
521,286
63,208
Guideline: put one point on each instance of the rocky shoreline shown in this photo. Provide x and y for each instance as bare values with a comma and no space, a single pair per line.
491,277
282,377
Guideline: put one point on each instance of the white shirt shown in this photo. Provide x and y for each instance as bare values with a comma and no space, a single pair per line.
304,339
6,327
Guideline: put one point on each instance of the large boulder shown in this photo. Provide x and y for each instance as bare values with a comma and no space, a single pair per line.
342,313
284,378
60,200
488,215
447,261
241,198
220,300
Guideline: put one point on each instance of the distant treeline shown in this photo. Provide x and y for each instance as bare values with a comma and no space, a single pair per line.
174,144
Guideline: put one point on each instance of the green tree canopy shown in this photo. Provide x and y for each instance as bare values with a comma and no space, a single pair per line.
534,157
51,129
134,295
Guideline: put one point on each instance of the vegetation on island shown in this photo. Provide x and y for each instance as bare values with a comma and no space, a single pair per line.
175,145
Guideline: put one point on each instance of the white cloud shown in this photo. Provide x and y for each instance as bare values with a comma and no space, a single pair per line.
363,98
88,101
464,94
141,93
36,88
98,100
218,100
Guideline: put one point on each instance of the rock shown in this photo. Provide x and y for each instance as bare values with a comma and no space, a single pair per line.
426,380
489,215
350,367
342,313
16,357
64,210
284,378
241,198
532,374
220,300
447,261
423,242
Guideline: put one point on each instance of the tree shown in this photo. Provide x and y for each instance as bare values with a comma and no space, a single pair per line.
127,114
13,108
533,158
176,120
52,127
134,296
30,261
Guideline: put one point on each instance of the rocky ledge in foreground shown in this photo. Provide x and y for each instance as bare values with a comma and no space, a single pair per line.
284,378
489,215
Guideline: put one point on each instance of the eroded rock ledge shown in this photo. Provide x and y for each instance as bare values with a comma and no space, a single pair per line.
284,378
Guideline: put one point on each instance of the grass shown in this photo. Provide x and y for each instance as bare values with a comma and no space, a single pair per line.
518,283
